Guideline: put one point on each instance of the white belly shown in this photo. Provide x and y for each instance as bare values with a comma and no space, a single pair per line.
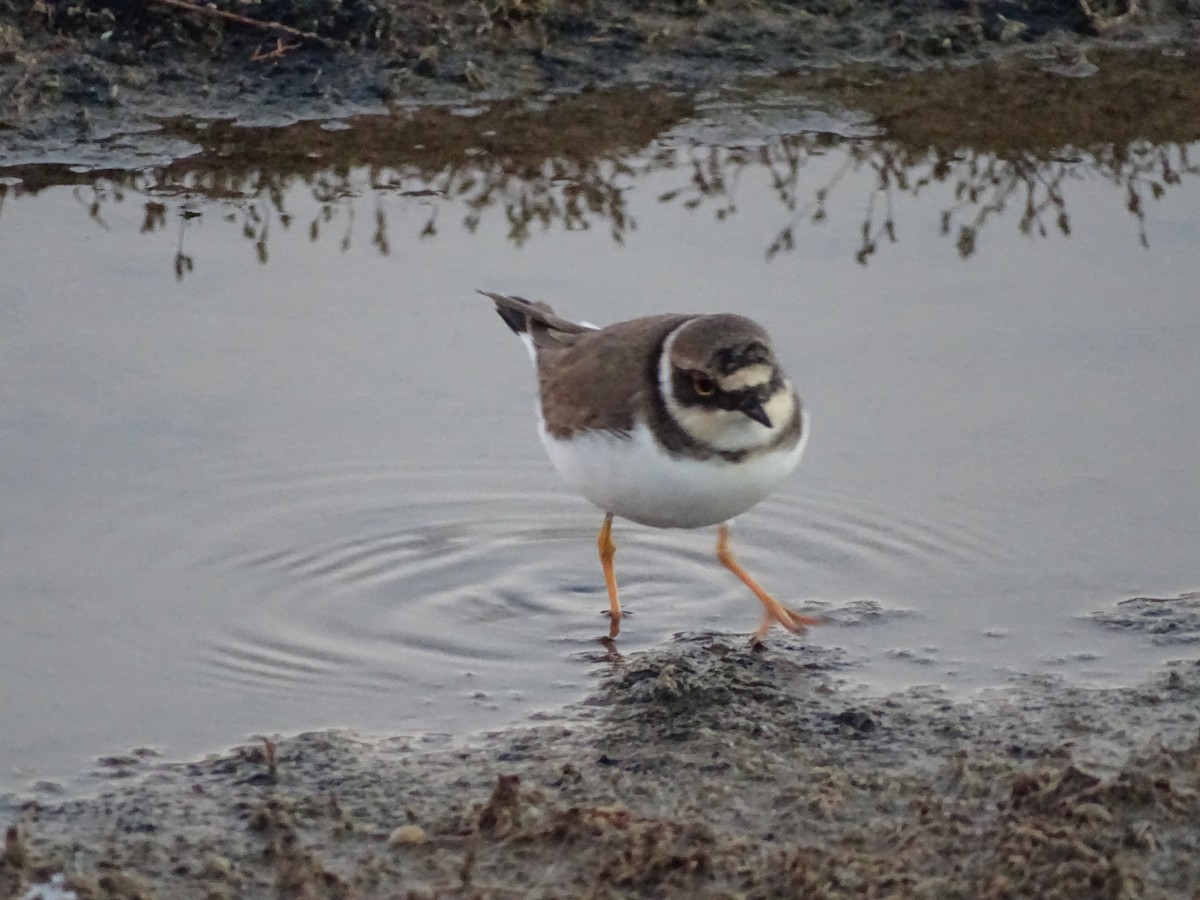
632,478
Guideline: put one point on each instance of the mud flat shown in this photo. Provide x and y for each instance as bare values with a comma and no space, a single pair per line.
74,73
703,769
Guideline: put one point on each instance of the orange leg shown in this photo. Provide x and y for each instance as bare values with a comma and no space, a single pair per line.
607,551
773,610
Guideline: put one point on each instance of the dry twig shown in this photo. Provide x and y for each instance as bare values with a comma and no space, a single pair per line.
276,52
246,20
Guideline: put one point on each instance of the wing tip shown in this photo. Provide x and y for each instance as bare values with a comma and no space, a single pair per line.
511,310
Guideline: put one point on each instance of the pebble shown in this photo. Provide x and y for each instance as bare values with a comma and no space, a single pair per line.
408,834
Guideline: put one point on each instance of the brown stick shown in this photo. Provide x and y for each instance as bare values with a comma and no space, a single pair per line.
277,53
244,20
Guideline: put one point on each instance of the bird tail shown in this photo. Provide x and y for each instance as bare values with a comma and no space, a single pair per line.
535,321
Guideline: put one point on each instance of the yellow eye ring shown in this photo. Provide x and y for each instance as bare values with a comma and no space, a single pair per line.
703,385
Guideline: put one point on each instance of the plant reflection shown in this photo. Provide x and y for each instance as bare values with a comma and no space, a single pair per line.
974,187
562,164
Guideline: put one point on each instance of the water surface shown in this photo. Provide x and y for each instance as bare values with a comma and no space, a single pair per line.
269,462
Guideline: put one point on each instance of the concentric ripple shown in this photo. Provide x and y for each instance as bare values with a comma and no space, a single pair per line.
356,581
370,579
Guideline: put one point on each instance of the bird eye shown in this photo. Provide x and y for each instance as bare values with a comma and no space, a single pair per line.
703,385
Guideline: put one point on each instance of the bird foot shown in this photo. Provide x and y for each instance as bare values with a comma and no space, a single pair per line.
796,623
612,654
614,626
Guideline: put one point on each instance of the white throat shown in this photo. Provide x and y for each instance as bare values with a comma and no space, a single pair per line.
724,429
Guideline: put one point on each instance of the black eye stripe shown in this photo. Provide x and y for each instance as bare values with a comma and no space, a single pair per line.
683,382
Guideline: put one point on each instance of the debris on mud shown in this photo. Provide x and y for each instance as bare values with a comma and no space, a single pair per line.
1168,620
700,770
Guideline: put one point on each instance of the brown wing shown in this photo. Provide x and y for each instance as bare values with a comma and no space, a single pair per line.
599,379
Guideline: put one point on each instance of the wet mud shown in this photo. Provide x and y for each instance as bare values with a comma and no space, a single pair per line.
73,72
703,769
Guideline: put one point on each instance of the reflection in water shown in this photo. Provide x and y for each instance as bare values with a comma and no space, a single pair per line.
561,164
555,165
974,188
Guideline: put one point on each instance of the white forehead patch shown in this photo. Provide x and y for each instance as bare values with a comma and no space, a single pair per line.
748,377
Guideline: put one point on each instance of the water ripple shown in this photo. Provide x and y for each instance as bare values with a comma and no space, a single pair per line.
375,578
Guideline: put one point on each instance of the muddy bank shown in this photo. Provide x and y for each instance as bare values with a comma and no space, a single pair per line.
704,769
73,72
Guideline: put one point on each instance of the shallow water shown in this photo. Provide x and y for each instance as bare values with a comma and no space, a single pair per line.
269,463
